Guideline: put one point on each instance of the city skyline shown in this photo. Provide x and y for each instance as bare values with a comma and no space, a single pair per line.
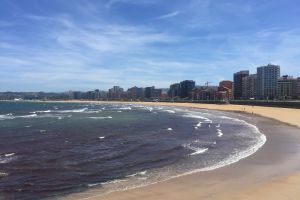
57,46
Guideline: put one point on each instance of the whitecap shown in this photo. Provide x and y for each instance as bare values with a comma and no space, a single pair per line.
219,132
137,174
199,117
124,108
28,116
73,111
3,117
196,150
102,137
113,181
199,151
2,174
42,131
93,184
199,124
6,158
9,154
170,111
169,129
108,117
93,111
44,111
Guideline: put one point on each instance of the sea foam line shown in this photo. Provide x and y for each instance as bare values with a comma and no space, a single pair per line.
108,117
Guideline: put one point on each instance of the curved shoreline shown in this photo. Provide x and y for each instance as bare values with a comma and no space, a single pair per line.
193,186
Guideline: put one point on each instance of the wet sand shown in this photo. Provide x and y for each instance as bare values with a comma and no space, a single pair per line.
273,172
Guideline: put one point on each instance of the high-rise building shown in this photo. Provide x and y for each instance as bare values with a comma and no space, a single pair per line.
135,93
97,94
298,88
116,92
174,90
238,84
149,92
249,86
186,88
267,77
287,88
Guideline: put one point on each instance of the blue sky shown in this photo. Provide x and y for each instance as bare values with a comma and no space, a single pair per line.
58,45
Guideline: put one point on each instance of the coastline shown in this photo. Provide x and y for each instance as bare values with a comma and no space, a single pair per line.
270,173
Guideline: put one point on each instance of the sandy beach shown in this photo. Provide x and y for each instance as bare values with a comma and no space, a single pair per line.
273,172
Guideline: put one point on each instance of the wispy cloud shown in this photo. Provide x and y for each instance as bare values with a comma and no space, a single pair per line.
169,15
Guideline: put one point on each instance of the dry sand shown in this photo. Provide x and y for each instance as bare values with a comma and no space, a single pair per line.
272,173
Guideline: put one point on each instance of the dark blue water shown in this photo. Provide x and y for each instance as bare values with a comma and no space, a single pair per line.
51,149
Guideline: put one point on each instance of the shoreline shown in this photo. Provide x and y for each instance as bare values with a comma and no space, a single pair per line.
254,177
274,113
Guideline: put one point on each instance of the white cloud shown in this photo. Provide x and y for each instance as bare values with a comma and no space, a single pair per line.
169,15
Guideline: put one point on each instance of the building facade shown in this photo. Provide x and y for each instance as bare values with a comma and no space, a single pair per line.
249,87
174,90
225,90
287,88
205,93
238,84
298,88
267,77
116,92
135,93
186,88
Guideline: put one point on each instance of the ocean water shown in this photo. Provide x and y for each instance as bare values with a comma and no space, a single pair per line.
48,150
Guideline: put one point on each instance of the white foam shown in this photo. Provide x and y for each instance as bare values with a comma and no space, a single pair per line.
137,174
27,116
108,117
3,117
6,158
9,154
28,126
198,117
219,132
196,150
124,108
2,174
218,126
199,124
93,111
119,111
93,184
42,131
170,129
101,137
199,151
73,111
170,111
44,111
113,181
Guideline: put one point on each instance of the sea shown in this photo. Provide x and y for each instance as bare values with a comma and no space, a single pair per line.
50,149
